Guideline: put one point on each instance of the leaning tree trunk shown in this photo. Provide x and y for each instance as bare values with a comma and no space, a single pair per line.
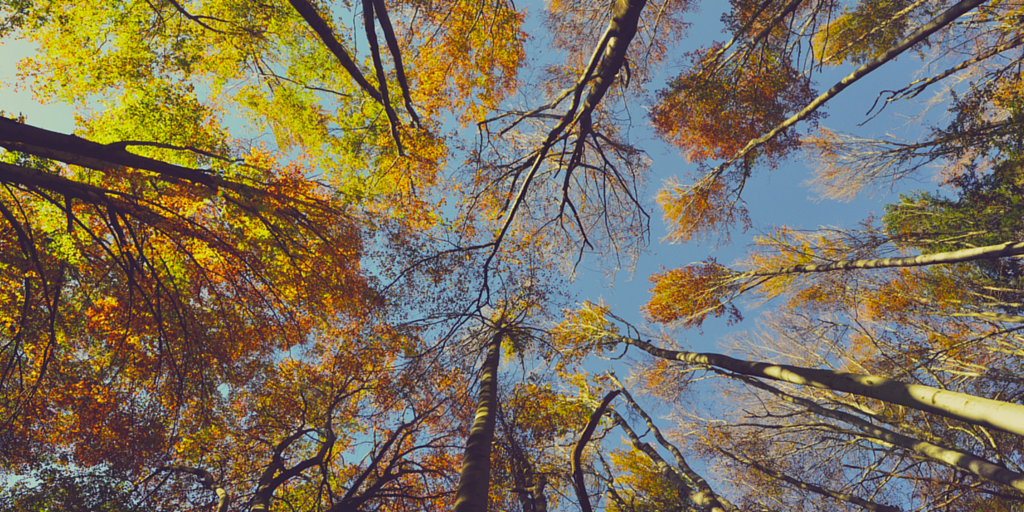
985,412
990,252
942,20
476,464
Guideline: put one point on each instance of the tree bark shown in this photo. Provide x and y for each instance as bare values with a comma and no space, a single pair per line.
323,30
1005,416
475,476
674,474
74,150
955,458
989,252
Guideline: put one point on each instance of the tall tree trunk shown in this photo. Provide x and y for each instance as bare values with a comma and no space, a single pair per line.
476,464
990,252
1005,416
949,456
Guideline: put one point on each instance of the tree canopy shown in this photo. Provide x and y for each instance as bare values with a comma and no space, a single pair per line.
322,256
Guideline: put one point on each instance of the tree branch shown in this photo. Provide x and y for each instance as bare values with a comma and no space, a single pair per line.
382,78
841,496
322,29
577,451
206,479
922,33
705,496
1005,416
951,457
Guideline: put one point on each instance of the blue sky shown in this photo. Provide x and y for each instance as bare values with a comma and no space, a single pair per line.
774,198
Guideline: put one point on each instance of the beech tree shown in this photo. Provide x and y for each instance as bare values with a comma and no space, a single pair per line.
787,436
304,255
765,50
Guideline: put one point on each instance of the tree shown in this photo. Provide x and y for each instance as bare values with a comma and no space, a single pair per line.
803,404
318,321
110,253
474,480
691,293
711,204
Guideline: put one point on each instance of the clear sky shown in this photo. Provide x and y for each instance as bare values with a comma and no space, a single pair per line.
16,100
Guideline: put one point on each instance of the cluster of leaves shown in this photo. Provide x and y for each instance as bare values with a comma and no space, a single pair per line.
206,302
53,489
690,294
126,315
713,109
862,33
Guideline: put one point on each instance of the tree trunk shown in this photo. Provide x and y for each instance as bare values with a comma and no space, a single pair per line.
953,457
1005,416
990,252
476,464
577,452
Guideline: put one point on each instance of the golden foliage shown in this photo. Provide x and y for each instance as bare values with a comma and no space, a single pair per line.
712,111
690,294
700,210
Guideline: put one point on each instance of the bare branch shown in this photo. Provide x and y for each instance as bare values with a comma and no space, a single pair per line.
577,451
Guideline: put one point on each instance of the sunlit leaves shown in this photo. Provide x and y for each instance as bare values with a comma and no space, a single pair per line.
690,294
162,113
163,297
645,488
702,210
711,111
862,33
582,331
468,58
544,414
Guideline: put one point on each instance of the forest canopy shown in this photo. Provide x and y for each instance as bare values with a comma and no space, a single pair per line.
323,256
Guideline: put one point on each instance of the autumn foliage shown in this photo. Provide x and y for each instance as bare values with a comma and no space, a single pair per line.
316,256
690,294
713,109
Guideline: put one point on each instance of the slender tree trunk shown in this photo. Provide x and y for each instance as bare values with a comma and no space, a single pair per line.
1005,416
476,464
990,252
955,458
915,37
579,481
